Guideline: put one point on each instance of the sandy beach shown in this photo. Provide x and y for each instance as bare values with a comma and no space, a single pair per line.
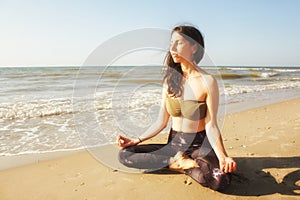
264,142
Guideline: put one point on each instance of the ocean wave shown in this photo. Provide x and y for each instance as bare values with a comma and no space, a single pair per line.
268,74
36,108
246,68
137,81
240,89
259,69
118,99
282,80
287,70
104,100
140,99
112,75
231,76
44,151
39,151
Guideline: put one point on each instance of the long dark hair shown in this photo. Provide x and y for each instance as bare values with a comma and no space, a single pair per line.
173,72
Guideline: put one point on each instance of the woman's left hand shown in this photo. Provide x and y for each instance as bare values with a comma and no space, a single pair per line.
228,165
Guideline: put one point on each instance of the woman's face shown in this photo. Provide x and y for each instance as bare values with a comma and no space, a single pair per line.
181,49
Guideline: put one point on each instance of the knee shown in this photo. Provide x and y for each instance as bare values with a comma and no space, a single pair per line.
124,155
210,177
219,180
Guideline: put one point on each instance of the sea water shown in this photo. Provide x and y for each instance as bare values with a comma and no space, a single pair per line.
48,109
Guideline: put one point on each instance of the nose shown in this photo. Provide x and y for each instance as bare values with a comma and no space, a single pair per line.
172,47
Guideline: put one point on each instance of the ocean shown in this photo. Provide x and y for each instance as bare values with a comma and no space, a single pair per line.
49,109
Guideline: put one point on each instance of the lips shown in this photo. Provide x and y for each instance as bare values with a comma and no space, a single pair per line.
175,56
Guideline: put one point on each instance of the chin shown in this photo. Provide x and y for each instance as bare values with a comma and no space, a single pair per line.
176,60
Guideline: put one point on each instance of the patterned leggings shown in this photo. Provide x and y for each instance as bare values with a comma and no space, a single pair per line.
194,145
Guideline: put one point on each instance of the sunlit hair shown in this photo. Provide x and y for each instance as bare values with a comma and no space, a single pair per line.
173,72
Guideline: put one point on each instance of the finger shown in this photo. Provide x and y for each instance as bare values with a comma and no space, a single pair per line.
226,167
234,166
119,143
231,166
223,168
118,139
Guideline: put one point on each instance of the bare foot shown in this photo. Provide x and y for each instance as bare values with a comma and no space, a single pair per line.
181,162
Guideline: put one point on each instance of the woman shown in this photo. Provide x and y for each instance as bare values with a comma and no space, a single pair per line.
190,97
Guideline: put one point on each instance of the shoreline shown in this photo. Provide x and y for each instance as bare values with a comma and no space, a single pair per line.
282,96
264,141
8,162
20,160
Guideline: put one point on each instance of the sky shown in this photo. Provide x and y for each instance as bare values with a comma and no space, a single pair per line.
66,32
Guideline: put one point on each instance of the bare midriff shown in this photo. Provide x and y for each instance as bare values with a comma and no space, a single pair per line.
184,125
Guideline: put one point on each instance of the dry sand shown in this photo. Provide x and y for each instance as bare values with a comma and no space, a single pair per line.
264,142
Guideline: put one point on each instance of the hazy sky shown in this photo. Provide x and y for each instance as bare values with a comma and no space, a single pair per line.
65,32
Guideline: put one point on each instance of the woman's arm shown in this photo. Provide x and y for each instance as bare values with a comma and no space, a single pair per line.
160,123
227,164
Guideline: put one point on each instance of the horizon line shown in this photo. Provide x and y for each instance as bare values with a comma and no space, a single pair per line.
32,66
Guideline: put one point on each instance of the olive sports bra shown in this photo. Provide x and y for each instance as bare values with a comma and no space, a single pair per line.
190,109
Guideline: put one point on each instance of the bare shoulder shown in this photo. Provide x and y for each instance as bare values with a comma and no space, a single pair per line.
210,81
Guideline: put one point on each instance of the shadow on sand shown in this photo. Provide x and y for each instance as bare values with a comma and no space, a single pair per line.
254,177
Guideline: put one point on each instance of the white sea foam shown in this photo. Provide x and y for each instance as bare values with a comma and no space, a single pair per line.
286,70
36,108
268,74
114,100
240,89
38,151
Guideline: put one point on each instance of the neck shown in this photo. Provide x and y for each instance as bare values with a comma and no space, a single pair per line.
188,69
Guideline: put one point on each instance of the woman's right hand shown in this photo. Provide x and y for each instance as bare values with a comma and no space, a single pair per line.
126,142
228,165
